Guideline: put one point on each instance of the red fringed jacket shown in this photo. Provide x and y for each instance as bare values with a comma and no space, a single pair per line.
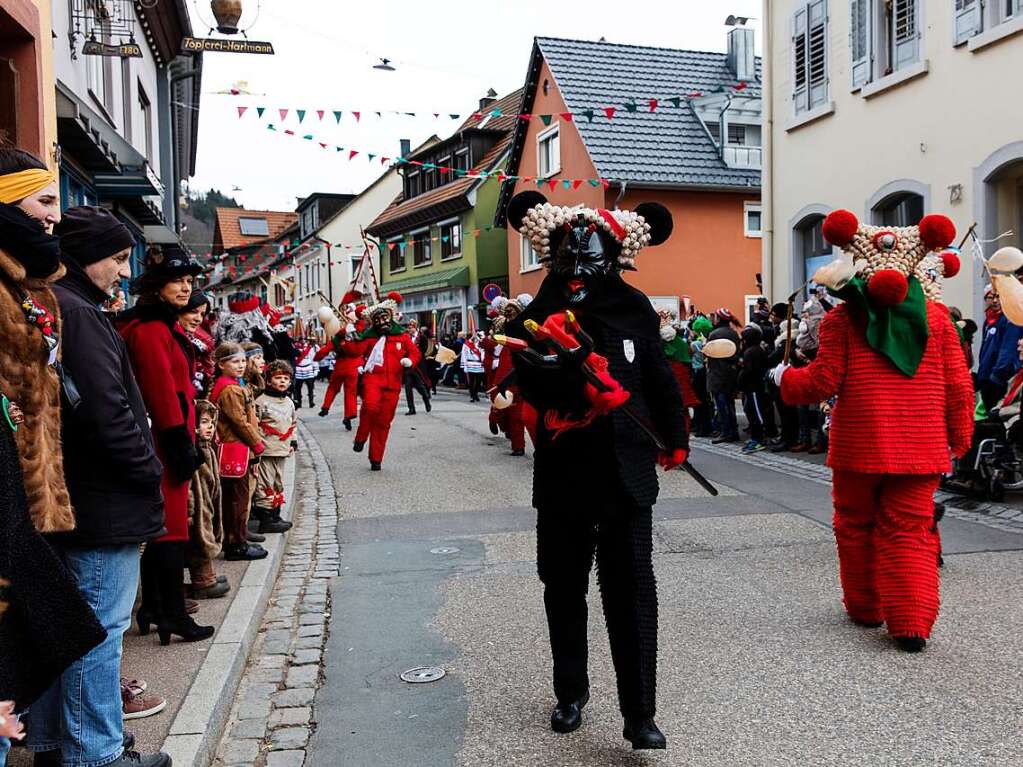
885,422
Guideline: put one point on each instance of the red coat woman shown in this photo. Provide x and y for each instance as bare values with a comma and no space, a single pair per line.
162,357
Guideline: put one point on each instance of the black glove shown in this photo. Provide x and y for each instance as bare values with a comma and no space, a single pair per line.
181,457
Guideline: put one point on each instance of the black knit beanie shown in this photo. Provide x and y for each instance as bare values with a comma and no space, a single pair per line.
89,234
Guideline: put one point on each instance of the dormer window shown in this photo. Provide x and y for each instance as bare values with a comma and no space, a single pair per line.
412,184
253,227
462,160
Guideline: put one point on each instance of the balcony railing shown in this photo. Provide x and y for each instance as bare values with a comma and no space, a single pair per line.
742,156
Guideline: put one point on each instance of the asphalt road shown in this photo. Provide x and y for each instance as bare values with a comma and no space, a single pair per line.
758,664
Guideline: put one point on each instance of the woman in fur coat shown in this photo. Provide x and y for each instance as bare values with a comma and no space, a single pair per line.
162,358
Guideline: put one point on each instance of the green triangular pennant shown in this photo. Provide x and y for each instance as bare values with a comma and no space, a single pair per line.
371,156
337,116
546,119
589,114
259,111
270,126
631,107
567,183
594,182
455,117
675,101
301,114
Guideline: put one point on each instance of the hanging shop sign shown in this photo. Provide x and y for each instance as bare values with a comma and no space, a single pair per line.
218,45
124,50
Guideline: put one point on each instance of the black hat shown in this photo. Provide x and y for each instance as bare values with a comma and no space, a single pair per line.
197,299
163,264
89,234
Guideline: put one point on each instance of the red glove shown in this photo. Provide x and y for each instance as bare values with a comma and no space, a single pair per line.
673,459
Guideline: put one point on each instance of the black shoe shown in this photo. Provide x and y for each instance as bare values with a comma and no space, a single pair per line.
781,447
721,440
252,537
867,624
357,446
272,524
566,717
410,412
298,405
348,424
374,465
644,734
312,404
911,644
184,627
493,428
429,407
128,741
244,552
324,412
520,451
135,759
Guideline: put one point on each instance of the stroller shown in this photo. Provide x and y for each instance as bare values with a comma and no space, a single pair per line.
993,464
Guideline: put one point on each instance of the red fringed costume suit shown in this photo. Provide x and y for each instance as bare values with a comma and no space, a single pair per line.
893,427
347,359
518,417
382,385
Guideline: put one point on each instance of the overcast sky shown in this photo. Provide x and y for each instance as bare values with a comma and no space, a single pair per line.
447,53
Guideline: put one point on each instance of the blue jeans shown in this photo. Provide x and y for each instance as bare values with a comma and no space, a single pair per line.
727,423
5,746
81,713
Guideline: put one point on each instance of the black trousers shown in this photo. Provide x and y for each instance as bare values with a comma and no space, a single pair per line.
759,414
621,537
310,387
162,580
476,384
415,380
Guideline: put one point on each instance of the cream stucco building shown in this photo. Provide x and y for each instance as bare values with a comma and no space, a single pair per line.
892,109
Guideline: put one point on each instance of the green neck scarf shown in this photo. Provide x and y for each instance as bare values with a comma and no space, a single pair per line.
371,332
677,350
899,332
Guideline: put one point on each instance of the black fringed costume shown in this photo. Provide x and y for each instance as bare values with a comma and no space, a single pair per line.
594,486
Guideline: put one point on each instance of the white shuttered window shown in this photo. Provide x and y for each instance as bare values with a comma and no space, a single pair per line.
860,42
810,55
884,36
905,32
969,19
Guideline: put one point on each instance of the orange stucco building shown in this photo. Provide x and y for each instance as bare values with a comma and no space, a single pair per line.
673,155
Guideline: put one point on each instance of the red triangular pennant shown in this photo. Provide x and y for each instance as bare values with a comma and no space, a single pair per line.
357,115
527,118
552,183
740,87
605,183
566,116
577,183
610,112
319,113
383,160
352,154
283,113
241,111
653,104
323,145
289,131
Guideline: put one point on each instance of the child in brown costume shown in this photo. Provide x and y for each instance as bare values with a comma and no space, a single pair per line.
241,446
205,520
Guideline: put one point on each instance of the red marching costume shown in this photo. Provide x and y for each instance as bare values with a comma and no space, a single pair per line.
516,418
387,351
347,360
904,405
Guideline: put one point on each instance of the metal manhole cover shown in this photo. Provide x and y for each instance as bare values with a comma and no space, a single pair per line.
422,674
444,550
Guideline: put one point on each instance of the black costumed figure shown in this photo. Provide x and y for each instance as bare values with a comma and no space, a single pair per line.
608,411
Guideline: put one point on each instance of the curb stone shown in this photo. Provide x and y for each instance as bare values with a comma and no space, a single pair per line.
272,715
202,717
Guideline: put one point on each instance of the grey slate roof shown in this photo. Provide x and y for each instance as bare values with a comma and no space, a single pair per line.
668,147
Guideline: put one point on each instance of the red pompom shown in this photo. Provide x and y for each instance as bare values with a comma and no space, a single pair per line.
950,262
888,288
840,226
395,296
937,231
351,297
360,309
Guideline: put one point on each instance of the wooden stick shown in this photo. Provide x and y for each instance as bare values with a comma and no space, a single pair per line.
969,232
788,339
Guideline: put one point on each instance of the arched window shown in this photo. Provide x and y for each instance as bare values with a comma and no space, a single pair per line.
814,251
899,209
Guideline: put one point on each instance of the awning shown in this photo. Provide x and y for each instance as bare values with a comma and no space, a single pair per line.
161,235
446,278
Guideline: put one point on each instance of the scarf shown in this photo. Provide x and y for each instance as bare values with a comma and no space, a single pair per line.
376,357
28,242
898,333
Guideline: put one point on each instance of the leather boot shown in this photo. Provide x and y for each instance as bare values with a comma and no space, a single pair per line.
644,734
268,523
174,619
567,717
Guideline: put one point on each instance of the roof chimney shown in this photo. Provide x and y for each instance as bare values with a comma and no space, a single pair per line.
489,99
741,57
406,147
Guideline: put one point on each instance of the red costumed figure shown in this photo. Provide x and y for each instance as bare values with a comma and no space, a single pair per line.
904,405
347,350
387,350
509,410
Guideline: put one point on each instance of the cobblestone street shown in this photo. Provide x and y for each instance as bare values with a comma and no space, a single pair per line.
431,563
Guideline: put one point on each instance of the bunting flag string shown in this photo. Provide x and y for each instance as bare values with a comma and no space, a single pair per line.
445,170
632,106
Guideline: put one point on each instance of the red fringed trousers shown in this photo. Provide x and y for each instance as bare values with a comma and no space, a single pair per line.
888,549
378,405
350,381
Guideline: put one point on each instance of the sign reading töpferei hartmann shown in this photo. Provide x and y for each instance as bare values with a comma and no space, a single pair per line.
215,45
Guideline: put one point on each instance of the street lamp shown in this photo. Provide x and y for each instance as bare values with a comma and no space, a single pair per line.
228,13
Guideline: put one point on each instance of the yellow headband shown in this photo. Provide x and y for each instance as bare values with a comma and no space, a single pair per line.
15,187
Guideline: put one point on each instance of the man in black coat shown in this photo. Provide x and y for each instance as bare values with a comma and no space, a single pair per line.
722,377
594,483
113,477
